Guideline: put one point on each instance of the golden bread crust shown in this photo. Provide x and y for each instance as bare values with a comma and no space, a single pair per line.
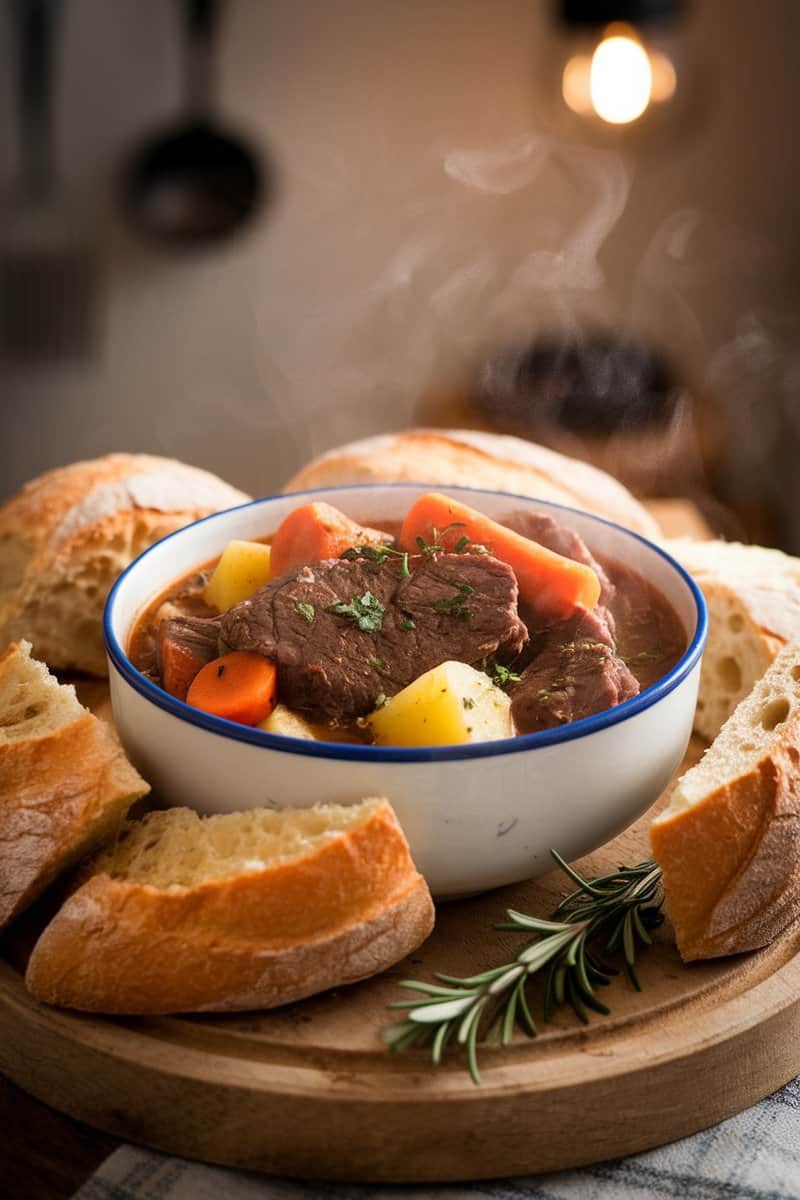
352,907
475,459
66,536
62,792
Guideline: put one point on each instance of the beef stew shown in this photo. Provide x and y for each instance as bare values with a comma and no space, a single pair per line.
349,633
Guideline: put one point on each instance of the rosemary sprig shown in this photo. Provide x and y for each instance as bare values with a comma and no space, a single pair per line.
603,916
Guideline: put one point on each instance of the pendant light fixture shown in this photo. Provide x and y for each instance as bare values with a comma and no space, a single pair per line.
622,65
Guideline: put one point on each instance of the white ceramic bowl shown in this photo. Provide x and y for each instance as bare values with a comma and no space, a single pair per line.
476,816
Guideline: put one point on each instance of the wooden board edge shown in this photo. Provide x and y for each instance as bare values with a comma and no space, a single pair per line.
339,1129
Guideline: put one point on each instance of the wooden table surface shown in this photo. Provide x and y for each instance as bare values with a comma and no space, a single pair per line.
47,1156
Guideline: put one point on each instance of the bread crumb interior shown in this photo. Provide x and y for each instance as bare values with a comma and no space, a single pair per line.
32,701
179,848
754,730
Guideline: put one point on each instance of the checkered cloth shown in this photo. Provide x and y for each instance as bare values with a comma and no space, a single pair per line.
754,1156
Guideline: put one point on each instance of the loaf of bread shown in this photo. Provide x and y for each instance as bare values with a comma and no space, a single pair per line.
66,536
728,843
753,597
65,784
482,460
243,911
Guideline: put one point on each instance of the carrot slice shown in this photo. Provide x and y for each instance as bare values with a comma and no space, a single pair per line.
552,584
240,686
317,531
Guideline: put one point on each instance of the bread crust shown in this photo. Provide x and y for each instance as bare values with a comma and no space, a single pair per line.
731,865
352,907
61,794
472,458
67,535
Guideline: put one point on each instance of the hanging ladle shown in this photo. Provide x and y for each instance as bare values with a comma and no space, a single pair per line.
195,184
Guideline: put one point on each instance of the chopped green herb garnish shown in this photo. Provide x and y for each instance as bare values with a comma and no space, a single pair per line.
436,544
407,624
463,590
377,663
376,554
306,610
468,702
379,554
502,676
381,699
455,606
366,612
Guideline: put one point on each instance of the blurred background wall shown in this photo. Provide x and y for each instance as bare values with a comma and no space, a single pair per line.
427,213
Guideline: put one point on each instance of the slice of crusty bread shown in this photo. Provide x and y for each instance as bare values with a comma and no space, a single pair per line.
472,458
753,596
243,911
65,784
717,557
729,841
67,535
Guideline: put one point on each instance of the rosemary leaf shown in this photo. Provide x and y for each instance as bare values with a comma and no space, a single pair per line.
442,1037
528,1023
444,1011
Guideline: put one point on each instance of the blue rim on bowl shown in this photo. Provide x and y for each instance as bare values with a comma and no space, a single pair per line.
364,753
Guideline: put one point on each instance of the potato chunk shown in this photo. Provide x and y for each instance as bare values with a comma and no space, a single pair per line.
243,568
285,721
447,705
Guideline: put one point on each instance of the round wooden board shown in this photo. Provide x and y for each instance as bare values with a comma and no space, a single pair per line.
310,1091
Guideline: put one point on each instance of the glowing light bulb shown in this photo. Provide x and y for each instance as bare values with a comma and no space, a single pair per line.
620,79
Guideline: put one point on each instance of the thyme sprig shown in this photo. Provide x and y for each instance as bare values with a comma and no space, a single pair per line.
604,916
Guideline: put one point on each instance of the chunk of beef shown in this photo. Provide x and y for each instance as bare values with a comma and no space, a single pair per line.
575,674
542,528
334,664
187,601
183,647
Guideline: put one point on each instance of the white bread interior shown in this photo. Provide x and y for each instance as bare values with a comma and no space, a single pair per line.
753,597
67,535
729,841
471,458
178,848
65,784
239,911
